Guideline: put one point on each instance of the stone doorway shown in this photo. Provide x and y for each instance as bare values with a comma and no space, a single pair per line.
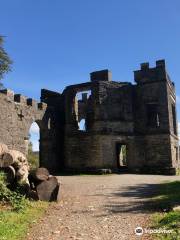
121,155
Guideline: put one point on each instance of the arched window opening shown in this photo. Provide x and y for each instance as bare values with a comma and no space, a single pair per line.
33,145
82,125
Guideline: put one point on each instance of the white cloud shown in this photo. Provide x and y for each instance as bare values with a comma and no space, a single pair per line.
34,129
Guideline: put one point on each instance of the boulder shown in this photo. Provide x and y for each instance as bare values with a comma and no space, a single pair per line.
48,190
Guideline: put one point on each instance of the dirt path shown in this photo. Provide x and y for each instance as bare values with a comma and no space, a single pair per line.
105,207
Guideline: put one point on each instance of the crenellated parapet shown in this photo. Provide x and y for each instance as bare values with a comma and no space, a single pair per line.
147,74
23,100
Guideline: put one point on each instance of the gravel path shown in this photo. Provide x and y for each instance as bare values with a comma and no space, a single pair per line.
105,207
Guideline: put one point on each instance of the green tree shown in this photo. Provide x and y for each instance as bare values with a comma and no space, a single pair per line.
5,61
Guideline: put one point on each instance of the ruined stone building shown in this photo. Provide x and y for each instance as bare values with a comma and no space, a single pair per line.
125,125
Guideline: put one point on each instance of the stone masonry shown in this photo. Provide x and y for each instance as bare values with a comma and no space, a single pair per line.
125,126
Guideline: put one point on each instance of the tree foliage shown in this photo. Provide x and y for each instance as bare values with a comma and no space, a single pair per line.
5,61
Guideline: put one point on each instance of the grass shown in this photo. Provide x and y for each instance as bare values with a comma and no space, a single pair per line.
178,172
17,212
15,225
167,198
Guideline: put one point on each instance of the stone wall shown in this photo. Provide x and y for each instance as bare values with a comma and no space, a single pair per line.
17,115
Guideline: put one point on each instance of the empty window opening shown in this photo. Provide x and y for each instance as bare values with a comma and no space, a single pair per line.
82,125
176,149
83,95
49,123
80,107
33,146
121,154
174,119
153,119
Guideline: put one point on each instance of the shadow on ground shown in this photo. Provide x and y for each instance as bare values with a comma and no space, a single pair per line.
144,198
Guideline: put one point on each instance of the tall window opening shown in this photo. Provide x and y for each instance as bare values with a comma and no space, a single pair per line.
49,123
33,146
153,119
81,105
174,119
176,149
121,155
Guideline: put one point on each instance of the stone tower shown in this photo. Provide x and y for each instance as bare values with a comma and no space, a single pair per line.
155,117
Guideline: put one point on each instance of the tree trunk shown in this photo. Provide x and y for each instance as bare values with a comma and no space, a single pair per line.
6,159
3,148
40,174
48,189
10,174
14,157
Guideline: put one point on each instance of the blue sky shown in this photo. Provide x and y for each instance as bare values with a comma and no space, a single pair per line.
54,43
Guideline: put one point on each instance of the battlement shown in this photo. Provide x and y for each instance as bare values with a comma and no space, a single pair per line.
147,74
23,100
159,63
103,75
20,98
31,102
9,93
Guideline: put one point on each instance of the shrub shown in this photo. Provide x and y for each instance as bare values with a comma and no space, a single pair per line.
17,201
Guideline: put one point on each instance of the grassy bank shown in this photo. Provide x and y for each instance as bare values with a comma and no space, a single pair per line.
167,218
17,213
14,225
